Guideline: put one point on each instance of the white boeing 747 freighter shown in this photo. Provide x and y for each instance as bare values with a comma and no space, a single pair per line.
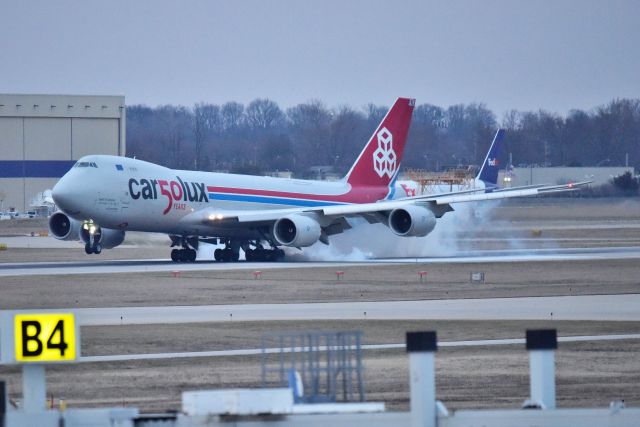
102,197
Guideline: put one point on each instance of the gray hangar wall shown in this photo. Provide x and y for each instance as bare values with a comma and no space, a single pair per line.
41,137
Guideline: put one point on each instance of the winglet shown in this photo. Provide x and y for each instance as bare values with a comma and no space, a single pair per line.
489,171
378,164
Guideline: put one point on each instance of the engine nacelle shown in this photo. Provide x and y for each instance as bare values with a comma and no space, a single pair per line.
412,221
296,230
111,238
106,237
64,228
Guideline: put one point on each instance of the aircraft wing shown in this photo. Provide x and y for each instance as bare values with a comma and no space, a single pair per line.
447,198
439,204
506,193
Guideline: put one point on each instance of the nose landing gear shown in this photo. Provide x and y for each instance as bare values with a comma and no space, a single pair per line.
91,233
95,249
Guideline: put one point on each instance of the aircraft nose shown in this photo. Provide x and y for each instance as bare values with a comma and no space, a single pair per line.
64,194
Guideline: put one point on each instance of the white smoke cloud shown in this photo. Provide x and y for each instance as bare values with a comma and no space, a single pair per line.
366,241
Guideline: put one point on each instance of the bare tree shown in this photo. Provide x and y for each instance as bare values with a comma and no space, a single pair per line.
174,124
375,113
264,114
311,134
511,120
310,130
427,149
349,129
207,123
231,116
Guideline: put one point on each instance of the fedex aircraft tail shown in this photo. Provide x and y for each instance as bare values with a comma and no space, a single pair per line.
488,174
378,164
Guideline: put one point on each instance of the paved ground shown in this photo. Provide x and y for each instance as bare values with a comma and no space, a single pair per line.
368,283
573,307
588,373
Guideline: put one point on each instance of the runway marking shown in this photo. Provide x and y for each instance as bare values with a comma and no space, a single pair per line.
156,265
258,351
582,307
146,266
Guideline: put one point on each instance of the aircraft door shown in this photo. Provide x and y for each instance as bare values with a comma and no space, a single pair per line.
125,201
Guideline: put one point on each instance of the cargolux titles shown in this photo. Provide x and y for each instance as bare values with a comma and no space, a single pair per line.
176,192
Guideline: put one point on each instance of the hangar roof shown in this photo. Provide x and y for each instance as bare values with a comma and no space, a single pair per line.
94,106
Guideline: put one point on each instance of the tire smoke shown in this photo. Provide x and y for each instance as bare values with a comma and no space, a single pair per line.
365,241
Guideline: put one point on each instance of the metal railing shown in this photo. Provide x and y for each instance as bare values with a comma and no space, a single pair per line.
319,366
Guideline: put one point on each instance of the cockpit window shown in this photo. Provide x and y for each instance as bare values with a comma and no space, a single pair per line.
86,165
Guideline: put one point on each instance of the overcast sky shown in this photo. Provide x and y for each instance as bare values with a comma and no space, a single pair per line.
555,55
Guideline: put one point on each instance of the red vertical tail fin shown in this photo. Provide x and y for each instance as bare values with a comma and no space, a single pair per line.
378,164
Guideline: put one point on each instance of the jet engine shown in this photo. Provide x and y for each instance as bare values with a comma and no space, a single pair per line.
296,230
64,228
412,221
107,238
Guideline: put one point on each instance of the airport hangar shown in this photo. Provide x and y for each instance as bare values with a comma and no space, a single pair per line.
41,137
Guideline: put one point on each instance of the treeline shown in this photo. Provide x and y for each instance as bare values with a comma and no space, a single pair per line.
263,137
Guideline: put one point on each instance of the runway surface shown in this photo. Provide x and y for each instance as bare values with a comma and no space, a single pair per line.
585,307
95,266
259,351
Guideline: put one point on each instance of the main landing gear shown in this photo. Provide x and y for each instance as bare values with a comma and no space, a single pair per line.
226,255
183,255
264,255
253,250
231,252
260,254
189,249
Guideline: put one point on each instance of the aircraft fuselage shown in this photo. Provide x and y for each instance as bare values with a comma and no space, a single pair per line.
134,195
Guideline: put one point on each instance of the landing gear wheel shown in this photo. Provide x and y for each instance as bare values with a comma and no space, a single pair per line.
226,255
183,255
88,249
188,248
264,255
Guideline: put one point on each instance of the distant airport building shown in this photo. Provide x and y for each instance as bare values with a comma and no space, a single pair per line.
41,137
560,175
